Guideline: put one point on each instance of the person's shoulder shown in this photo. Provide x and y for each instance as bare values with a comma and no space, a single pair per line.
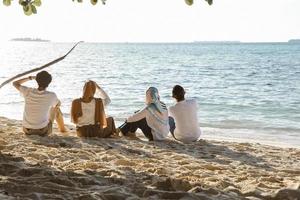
191,101
76,100
25,91
50,93
98,99
25,88
170,108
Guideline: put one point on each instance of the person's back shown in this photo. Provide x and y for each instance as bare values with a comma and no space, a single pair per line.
41,106
37,107
152,120
183,117
158,123
89,115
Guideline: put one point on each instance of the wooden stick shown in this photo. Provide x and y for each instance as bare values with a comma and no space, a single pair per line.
39,68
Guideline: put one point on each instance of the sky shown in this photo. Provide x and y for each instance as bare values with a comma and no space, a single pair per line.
155,21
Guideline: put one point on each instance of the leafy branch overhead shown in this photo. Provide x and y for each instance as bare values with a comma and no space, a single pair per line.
30,6
190,2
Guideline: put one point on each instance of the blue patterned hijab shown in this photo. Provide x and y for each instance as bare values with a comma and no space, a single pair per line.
153,102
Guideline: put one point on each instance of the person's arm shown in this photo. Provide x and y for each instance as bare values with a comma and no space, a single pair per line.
58,104
137,116
18,83
103,95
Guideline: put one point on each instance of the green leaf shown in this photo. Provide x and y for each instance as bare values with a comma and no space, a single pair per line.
189,2
7,2
209,2
33,8
94,2
27,10
23,3
79,1
37,3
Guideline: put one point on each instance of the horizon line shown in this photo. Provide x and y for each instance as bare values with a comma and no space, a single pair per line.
164,42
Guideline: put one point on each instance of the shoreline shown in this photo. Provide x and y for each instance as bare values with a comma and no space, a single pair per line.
251,141
209,135
67,167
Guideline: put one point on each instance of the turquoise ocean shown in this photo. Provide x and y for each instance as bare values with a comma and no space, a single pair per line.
245,92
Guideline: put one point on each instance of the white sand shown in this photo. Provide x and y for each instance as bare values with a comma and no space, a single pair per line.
67,167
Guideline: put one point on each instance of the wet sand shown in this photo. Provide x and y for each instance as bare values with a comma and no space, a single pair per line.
67,167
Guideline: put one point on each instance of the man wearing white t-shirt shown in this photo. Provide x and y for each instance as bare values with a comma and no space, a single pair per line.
183,118
41,106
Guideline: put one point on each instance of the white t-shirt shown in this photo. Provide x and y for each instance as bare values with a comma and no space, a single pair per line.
158,123
37,107
186,120
88,109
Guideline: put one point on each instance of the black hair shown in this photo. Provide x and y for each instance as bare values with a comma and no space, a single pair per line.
43,79
178,93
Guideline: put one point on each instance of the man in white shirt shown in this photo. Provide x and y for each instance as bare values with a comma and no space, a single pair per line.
41,106
183,118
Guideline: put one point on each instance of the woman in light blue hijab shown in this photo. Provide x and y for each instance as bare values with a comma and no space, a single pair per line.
152,120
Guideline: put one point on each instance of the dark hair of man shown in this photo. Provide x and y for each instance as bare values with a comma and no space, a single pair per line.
43,79
178,93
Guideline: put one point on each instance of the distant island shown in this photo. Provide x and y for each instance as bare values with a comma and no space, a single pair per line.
294,41
217,42
27,39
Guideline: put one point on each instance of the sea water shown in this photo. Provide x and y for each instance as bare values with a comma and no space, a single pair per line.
245,92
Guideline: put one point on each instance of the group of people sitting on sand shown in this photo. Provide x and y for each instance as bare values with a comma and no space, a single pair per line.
155,120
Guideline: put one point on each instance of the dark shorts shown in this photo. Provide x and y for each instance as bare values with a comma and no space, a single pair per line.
96,130
41,132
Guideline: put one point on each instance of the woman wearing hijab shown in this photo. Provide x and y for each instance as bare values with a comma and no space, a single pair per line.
152,120
88,113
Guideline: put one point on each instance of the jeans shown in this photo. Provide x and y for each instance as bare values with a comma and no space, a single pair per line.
172,126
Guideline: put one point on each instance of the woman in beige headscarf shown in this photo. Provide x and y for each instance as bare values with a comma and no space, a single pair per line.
89,115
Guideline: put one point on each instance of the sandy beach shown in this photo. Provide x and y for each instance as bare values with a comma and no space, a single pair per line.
67,167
